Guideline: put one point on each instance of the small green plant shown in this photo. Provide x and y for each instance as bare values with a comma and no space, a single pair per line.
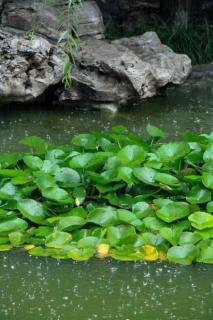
69,38
110,195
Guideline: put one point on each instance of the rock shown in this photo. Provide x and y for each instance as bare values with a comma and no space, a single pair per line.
202,72
167,67
108,73
27,67
34,16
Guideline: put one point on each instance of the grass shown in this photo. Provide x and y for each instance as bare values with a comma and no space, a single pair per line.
196,40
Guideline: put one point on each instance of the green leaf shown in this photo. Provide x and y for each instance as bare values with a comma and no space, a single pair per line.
45,181
132,155
88,242
153,223
8,191
198,194
120,235
86,141
119,130
71,221
81,254
105,216
201,220
167,179
185,254
206,255
173,211
34,162
189,238
8,160
57,194
40,145
58,239
126,216
208,154
32,210
152,239
87,160
126,174
79,194
172,234
142,209
69,178
173,151
210,207
146,175
13,224
155,132
17,238
207,179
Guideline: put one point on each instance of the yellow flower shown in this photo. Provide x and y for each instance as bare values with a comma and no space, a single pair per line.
102,250
150,253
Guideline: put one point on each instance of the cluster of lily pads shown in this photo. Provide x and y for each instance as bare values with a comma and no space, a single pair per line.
110,195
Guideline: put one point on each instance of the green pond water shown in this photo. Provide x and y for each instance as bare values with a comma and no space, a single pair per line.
45,289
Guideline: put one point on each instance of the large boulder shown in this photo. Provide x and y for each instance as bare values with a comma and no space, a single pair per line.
27,16
27,67
124,70
167,67
109,73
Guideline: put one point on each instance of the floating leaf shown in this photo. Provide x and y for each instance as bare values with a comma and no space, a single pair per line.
57,194
68,177
155,132
86,141
173,211
132,155
32,210
34,162
201,220
146,175
58,239
173,151
198,194
207,179
13,224
185,254
105,216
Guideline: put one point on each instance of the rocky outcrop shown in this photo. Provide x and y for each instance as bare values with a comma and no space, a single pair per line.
114,73
125,70
51,21
108,73
166,66
27,67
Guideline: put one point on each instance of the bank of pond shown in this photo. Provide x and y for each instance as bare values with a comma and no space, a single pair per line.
110,195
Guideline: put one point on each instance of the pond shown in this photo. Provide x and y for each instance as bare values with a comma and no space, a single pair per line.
46,289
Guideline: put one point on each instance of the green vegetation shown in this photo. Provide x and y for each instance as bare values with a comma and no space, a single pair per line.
110,195
195,40
68,38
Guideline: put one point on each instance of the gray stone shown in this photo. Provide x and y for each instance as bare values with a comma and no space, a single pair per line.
27,67
166,66
108,73
202,72
51,21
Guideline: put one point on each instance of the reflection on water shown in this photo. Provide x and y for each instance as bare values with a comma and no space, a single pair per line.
35,288
39,289
187,108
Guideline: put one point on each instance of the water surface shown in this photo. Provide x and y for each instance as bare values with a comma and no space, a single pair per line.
45,289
